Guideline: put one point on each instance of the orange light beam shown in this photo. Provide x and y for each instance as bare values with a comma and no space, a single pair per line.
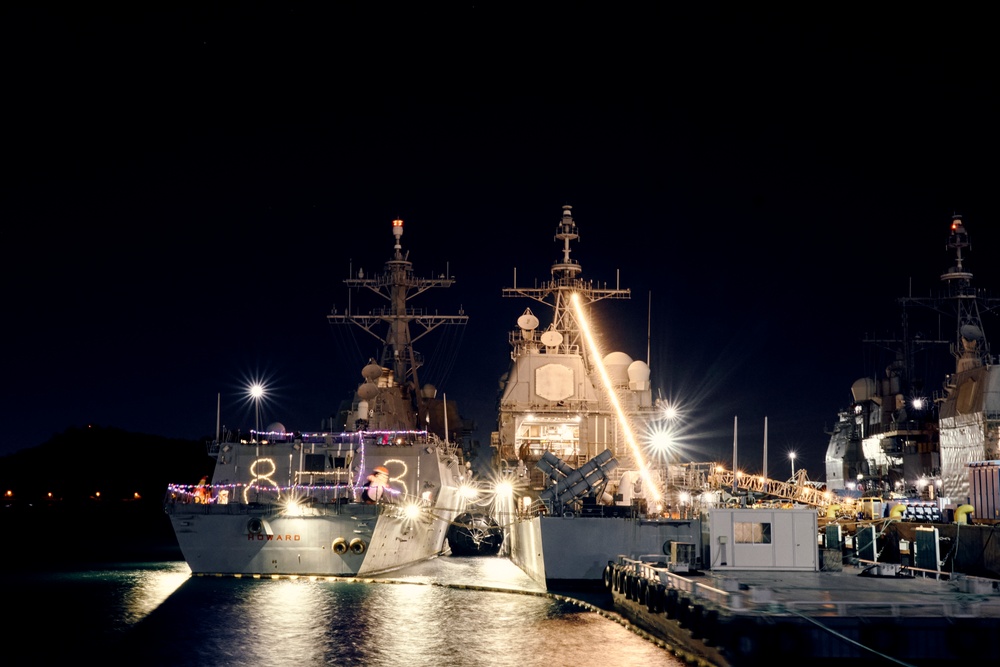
613,396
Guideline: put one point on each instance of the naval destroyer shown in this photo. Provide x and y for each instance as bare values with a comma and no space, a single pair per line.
377,492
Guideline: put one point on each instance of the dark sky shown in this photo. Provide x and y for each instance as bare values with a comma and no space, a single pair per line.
185,190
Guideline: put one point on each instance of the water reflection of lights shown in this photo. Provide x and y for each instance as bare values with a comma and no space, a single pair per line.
284,622
151,587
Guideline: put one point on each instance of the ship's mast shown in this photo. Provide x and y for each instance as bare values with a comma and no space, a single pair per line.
963,302
565,280
972,347
959,300
405,325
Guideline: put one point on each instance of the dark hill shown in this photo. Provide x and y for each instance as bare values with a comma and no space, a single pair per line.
94,494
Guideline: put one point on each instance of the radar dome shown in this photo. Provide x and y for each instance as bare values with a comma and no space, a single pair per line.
372,371
617,364
275,427
638,371
863,389
971,332
429,391
368,391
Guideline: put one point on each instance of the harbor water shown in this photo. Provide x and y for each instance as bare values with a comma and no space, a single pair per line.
448,612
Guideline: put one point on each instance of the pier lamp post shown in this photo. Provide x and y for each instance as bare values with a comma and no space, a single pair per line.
791,457
256,393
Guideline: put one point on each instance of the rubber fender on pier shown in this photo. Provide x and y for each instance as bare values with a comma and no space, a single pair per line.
710,634
697,621
340,546
684,613
641,589
654,598
608,576
671,603
357,546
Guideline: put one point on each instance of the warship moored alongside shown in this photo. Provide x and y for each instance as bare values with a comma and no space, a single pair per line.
377,492
925,429
566,439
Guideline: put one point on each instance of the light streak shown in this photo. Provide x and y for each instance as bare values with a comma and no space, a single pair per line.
623,418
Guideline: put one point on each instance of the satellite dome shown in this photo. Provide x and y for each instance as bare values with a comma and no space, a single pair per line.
367,391
863,389
276,427
372,371
617,364
428,391
638,371
971,332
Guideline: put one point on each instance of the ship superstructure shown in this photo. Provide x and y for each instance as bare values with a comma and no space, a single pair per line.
572,428
900,435
969,412
552,398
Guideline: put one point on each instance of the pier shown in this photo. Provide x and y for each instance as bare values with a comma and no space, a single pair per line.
865,613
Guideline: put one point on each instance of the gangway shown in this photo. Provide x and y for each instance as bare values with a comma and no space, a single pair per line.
798,491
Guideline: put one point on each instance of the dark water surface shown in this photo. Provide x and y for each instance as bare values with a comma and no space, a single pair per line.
449,612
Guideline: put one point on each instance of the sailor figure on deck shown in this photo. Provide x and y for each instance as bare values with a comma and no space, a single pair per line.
374,488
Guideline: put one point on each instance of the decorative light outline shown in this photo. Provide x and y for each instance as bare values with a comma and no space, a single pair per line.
255,483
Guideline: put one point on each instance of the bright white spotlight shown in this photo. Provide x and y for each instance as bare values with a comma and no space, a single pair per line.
293,508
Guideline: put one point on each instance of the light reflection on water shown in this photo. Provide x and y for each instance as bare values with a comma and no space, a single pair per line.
433,614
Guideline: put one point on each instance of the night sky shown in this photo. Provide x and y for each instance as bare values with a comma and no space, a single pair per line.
185,190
